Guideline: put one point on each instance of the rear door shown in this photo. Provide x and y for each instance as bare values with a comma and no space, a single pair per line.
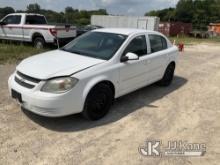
13,29
33,22
156,61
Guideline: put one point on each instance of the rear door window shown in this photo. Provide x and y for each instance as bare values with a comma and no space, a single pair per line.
35,20
157,43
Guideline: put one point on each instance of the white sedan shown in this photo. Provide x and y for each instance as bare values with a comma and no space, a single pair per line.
87,75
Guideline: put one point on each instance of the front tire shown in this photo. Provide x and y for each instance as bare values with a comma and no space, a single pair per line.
168,76
98,102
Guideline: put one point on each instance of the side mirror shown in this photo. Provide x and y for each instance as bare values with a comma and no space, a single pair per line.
2,23
129,57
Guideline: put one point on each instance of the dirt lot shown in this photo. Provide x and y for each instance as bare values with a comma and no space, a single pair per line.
189,110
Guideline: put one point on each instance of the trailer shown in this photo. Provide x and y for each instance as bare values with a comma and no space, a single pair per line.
175,28
148,23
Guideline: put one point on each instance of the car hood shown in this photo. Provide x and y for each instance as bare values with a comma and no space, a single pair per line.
55,63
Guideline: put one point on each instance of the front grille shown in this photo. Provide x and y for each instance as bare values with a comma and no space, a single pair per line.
28,77
24,84
26,81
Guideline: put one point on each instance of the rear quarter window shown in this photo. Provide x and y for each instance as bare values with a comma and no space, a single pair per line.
157,43
35,20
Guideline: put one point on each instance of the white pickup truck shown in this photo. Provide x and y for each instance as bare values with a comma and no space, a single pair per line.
35,29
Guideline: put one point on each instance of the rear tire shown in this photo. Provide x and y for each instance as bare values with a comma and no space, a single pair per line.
39,42
168,76
98,102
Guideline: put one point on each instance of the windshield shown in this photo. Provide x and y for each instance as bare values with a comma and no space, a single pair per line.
96,44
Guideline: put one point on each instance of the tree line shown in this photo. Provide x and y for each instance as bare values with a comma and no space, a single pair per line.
198,12
70,15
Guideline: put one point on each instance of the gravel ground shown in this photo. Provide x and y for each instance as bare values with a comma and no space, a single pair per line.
188,110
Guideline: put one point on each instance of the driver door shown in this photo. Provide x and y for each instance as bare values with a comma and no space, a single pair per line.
133,73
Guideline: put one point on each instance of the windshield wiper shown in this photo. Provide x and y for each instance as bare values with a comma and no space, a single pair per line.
63,49
76,52
80,53
71,51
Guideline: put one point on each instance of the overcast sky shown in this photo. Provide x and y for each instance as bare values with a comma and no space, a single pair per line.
122,7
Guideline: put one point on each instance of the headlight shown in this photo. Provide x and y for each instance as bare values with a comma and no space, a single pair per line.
59,85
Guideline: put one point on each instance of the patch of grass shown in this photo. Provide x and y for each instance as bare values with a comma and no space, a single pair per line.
12,52
193,41
15,52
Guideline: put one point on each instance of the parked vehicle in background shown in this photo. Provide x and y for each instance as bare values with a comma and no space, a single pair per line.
91,71
214,29
87,28
35,29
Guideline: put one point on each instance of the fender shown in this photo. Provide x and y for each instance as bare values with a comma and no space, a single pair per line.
90,84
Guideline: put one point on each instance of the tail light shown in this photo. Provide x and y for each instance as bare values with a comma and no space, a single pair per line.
53,32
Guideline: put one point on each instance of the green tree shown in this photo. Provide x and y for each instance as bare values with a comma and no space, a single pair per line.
198,12
33,8
5,11
70,15
164,14
185,10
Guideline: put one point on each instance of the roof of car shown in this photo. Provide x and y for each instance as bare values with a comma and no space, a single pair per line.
124,31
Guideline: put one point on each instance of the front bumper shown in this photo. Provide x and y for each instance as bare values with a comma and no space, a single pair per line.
47,104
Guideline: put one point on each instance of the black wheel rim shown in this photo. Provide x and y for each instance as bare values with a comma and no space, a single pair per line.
99,103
